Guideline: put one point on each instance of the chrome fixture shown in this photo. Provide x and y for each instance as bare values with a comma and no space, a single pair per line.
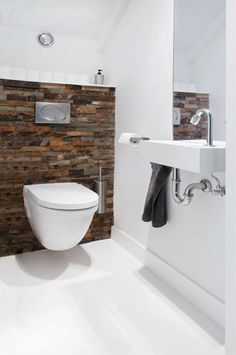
219,189
204,185
52,113
101,190
196,119
137,140
45,39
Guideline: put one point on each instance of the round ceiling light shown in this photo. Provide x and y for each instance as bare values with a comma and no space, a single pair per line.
45,39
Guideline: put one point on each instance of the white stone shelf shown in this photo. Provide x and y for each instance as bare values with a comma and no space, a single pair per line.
8,73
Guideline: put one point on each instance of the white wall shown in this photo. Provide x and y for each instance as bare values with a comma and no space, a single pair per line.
19,49
193,240
182,69
139,61
231,178
81,28
208,72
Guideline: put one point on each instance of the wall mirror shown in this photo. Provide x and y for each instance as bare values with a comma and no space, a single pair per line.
199,66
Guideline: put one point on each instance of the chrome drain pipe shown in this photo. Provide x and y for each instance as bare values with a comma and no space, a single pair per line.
204,185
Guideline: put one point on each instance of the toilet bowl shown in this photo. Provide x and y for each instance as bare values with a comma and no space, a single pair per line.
59,214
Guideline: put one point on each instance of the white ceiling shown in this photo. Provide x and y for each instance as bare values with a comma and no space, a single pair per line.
84,18
194,21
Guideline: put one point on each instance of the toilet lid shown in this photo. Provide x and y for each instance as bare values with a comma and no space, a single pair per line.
64,196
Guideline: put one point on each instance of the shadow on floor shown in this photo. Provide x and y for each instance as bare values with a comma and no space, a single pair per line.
182,305
31,269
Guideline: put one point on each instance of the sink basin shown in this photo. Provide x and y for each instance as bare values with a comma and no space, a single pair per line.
190,155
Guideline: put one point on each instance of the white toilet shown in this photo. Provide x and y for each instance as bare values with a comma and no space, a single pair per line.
60,214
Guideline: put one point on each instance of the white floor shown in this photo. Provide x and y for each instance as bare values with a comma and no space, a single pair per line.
93,300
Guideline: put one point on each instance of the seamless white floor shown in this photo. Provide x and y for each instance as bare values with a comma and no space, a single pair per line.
93,300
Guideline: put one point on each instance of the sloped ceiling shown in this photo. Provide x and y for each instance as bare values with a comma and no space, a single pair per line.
87,19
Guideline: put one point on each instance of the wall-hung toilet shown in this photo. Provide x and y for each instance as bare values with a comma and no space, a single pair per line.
60,214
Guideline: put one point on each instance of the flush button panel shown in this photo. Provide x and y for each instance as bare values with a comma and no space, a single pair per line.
52,113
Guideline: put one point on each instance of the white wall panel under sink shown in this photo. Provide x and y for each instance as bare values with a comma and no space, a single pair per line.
202,300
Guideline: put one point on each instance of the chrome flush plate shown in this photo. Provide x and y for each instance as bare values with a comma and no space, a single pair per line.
52,113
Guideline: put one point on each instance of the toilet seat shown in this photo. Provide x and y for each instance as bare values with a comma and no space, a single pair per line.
62,196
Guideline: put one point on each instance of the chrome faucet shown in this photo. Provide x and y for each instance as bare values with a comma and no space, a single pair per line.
196,119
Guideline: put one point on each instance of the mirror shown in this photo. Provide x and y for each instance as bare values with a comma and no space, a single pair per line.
199,67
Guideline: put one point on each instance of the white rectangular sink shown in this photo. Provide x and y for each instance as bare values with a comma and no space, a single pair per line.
190,155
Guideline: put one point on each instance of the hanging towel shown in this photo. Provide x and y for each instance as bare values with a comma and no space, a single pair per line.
155,206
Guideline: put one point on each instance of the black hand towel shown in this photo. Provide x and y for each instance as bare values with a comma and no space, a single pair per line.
155,206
